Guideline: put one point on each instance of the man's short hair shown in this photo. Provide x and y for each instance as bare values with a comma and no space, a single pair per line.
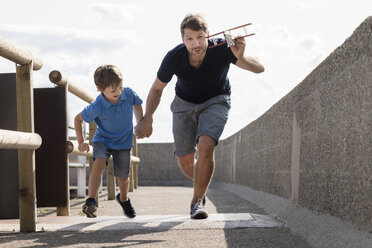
194,22
107,75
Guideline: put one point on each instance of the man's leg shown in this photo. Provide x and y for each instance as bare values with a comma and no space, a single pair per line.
204,167
211,122
186,164
184,125
203,172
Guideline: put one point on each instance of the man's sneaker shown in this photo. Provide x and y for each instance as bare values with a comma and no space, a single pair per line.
90,208
197,210
128,209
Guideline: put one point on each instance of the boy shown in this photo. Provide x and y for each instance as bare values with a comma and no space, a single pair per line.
112,111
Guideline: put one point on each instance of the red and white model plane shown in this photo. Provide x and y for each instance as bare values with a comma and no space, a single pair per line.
229,37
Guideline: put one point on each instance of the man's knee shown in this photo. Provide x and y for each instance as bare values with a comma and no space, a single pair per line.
206,145
186,161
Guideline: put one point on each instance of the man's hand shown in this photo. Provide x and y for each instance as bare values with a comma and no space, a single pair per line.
239,47
245,62
144,128
83,147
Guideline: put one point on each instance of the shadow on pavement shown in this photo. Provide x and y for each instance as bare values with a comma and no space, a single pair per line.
278,237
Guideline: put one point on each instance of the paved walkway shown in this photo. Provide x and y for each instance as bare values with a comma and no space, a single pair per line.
162,221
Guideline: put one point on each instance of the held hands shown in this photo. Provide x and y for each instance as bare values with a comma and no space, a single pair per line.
83,147
144,128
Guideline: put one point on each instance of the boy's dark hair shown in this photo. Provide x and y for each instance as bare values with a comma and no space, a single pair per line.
107,75
194,22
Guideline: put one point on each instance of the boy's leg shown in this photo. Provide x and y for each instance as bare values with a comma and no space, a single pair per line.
90,206
123,187
99,166
123,199
121,172
100,155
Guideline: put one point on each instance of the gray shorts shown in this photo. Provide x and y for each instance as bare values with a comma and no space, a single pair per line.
190,121
121,158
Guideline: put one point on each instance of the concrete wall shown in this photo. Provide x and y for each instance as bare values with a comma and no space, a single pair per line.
158,165
313,147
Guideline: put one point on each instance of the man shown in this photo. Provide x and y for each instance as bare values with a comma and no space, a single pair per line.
202,102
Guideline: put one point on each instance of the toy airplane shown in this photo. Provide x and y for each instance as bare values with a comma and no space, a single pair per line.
230,40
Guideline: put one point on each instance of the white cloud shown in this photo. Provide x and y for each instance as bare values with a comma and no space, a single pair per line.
312,48
306,5
121,12
50,39
74,52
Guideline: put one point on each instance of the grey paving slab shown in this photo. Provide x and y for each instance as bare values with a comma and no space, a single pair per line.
162,221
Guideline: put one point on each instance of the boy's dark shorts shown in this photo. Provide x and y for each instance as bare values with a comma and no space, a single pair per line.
121,158
190,121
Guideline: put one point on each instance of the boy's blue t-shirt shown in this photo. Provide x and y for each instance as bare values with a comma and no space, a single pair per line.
114,121
198,85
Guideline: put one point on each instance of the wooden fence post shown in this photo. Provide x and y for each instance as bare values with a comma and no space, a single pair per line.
26,158
92,131
131,182
65,210
110,180
135,168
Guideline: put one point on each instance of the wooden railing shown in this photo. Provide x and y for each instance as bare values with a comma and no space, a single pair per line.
26,141
19,55
19,140
57,78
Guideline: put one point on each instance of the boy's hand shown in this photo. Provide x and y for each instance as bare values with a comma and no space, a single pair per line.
83,147
144,128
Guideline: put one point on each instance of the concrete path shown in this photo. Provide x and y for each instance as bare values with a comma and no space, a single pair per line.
162,221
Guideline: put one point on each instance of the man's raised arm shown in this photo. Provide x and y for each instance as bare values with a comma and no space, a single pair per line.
245,62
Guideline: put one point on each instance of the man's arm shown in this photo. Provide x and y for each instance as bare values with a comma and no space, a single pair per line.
250,64
138,113
78,121
245,62
144,128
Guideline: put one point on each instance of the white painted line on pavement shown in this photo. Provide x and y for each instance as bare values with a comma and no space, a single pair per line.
144,222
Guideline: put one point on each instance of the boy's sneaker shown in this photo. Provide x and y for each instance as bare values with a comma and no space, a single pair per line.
128,209
90,208
197,210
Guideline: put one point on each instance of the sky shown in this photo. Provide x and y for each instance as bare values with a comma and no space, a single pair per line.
76,36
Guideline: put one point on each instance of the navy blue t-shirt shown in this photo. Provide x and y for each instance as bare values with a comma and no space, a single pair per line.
198,85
